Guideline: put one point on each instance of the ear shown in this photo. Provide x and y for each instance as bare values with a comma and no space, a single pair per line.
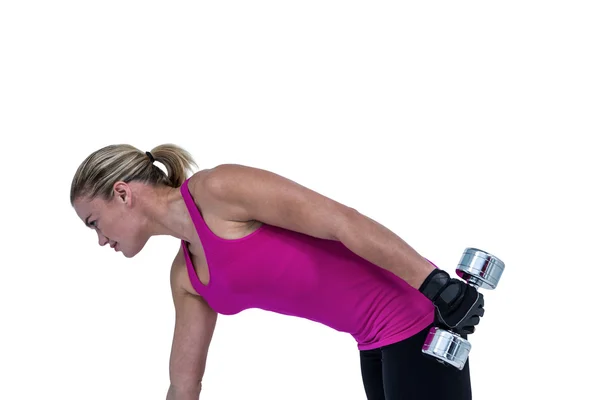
122,192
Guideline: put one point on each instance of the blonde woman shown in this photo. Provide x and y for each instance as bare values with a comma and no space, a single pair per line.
253,239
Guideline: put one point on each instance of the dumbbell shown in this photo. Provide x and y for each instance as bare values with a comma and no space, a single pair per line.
478,269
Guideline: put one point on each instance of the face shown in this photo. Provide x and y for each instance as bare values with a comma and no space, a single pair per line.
117,222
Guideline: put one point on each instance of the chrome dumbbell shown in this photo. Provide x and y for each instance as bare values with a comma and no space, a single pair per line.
481,270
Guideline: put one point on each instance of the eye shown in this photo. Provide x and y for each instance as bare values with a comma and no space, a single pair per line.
94,224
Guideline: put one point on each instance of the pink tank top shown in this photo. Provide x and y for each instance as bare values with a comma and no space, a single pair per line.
290,273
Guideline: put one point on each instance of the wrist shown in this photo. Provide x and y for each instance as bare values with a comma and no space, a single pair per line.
434,283
418,274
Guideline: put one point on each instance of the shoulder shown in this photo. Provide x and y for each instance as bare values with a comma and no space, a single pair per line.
215,180
209,181
180,282
177,270
212,189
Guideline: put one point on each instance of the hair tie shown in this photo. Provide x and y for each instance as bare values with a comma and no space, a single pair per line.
150,157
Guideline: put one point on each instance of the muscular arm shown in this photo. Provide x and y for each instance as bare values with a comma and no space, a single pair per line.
195,322
247,193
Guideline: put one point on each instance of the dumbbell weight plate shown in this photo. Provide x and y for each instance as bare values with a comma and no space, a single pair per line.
447,347
480,268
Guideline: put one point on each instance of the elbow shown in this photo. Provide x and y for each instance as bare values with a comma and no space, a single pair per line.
346,223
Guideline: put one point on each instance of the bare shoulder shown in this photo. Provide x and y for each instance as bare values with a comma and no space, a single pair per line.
177,269
206,186
180,282
198,178
198,187
209,181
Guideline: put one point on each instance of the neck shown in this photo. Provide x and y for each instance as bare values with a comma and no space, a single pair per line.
167,214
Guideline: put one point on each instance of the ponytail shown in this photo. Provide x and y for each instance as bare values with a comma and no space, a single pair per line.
176,160
97,174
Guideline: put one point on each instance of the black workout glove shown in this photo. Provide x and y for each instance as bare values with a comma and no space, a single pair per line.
459,306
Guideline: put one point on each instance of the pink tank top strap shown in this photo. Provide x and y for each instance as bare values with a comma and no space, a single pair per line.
203,230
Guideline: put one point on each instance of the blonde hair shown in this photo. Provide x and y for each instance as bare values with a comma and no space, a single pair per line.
97,174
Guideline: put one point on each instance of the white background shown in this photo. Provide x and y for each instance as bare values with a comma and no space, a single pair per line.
455,125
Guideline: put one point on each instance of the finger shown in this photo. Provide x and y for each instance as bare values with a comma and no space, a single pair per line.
468,330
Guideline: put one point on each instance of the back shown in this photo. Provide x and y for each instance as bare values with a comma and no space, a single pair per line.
321,280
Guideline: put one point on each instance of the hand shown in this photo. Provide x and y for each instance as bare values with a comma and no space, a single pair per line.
459,306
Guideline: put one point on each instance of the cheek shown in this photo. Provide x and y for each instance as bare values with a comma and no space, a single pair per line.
115,227
127,228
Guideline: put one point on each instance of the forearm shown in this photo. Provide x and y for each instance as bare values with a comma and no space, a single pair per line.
379,245
175,393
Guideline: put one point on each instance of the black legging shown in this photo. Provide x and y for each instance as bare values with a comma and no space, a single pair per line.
400,371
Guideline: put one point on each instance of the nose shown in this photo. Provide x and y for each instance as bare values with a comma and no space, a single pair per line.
102,240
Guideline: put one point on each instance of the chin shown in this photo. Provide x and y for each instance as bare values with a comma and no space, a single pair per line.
127,253
130,253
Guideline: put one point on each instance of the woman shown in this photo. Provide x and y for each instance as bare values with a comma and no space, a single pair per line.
253,239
